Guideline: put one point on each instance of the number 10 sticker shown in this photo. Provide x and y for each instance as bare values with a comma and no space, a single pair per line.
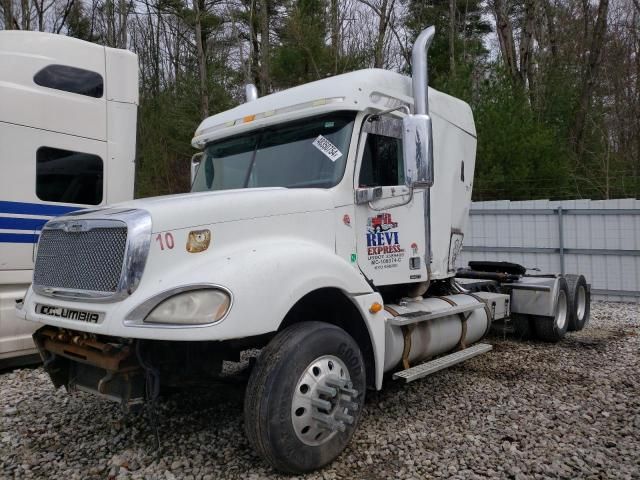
165,240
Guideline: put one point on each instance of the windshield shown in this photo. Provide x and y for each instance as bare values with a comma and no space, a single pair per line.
311,152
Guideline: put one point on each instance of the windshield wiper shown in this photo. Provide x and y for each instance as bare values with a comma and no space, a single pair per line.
253,162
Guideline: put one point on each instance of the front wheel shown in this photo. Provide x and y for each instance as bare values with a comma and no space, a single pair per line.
304,397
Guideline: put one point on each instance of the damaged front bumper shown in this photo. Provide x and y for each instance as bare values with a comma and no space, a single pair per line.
130,370
106,367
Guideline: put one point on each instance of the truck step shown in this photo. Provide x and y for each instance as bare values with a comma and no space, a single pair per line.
420,316
427,368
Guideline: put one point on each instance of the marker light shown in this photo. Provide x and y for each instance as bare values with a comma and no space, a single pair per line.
375,307
195,307
198,241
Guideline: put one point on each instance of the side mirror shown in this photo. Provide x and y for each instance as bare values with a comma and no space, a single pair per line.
417,144
195,164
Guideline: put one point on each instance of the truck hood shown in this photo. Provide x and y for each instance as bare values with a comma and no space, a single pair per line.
174,212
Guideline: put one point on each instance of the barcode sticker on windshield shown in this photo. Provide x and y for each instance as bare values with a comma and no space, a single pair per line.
328,148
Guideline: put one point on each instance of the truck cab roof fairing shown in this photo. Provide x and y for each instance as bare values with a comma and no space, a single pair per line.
373,89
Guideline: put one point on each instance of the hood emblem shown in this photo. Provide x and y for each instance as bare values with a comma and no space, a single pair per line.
76,226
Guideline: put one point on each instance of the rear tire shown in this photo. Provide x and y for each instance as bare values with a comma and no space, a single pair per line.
579,302
523,326
553,329
281,422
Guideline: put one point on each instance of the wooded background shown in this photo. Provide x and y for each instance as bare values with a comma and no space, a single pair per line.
554,84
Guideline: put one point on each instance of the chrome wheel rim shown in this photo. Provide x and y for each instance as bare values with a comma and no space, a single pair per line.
322,401
561,311
581,307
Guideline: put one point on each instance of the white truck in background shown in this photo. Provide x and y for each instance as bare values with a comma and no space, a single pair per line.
67,142
323,227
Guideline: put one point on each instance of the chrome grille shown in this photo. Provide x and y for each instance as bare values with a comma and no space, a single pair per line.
81,260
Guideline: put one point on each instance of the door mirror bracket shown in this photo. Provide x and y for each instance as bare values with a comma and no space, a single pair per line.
195,164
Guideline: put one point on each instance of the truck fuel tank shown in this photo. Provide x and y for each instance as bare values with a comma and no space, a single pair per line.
420,328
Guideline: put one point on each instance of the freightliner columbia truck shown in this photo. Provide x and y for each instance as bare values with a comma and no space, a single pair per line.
67,142
322,228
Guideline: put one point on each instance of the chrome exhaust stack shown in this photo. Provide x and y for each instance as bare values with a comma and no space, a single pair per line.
417,133
417,137
250,92
420,78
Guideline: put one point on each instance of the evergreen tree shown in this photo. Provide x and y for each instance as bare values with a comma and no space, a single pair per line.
78,23
468,55
303,55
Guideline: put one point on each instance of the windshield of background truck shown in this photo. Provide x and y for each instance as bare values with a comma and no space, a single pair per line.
310,152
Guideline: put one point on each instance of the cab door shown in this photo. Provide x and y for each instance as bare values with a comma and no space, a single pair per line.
390,218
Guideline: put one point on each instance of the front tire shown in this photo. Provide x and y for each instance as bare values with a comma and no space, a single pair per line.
305,396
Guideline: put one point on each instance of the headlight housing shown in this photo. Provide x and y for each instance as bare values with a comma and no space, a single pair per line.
193,307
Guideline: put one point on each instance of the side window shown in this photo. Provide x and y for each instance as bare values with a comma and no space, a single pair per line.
68,177
382,163
71,79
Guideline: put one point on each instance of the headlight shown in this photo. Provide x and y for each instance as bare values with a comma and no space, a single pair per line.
191,308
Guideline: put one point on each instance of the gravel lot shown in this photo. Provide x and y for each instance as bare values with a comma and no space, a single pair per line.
525,410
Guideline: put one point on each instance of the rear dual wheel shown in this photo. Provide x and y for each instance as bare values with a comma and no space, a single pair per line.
572,312
579,302
304,397
554,328
523,326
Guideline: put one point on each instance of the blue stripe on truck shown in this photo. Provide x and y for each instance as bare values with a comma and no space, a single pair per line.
35,208
11,223
32,224
18,238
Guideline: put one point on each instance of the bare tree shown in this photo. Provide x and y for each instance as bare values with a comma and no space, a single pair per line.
384,9
265,51
504,30
25,23
41,10
7,9
452,36
198,7
589,73
335,27
124,16
526,45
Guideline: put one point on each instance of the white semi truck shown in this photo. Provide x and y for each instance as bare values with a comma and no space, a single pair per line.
67,142
322,228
